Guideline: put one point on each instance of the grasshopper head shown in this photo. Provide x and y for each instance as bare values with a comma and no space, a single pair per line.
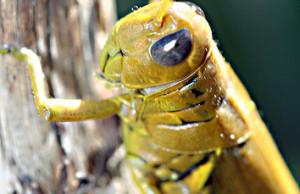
161,43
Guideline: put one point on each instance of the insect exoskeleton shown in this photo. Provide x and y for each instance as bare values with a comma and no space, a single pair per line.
145,50
189,126
171,127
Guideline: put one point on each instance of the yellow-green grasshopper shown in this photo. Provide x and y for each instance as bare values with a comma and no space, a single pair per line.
188,124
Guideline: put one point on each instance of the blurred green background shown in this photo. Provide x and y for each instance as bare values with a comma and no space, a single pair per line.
261,40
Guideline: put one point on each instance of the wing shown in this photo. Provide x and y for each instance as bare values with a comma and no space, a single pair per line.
254,166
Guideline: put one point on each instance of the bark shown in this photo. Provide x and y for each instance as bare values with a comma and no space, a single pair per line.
37,156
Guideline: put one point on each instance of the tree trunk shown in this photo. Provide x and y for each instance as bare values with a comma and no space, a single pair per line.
36,156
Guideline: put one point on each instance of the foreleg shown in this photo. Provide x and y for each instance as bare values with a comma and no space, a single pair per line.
60,109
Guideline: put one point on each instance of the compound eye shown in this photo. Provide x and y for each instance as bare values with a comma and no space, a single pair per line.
172,49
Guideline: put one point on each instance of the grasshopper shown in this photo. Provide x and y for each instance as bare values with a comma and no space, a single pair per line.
188,124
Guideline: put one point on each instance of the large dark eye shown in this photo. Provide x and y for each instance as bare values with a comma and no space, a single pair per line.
172,49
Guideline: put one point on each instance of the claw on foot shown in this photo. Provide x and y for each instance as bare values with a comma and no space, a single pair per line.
12,50
8,49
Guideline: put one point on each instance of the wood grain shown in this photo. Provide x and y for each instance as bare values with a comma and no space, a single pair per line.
36,156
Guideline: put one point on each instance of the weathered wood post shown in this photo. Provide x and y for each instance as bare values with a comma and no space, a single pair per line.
36,156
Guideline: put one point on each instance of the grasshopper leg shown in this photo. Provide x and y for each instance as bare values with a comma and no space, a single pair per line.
53,109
